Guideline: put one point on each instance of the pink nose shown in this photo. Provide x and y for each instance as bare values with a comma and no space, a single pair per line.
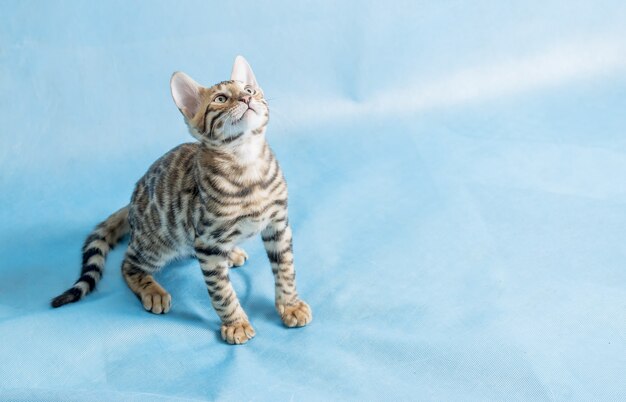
245,99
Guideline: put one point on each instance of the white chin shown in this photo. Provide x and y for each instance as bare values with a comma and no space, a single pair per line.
249,121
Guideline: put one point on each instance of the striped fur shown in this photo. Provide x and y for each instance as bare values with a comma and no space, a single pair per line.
98,244
202,199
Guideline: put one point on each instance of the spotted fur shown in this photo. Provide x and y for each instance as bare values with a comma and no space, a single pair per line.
202,199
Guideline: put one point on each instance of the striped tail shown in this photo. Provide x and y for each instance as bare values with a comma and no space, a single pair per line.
104,237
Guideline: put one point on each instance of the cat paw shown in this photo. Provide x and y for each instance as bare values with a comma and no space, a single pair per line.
237,257
237,333
156,301
297,314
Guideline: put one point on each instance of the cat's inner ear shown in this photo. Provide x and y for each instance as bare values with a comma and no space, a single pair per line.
186,94
242,72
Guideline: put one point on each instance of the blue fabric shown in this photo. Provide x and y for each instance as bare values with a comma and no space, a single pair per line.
458,197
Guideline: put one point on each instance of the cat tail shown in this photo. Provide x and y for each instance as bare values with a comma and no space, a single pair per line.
98,244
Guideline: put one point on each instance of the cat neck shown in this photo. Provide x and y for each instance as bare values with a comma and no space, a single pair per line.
248,153
246,149
249,148
244,161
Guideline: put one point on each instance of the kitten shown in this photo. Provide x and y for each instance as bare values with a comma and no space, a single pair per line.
201,199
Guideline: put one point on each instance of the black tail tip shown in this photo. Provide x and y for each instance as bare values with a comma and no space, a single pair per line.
69,296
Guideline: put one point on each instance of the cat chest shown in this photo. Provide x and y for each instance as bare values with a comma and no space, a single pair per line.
240,213
242,221
241,228
249,227
255,216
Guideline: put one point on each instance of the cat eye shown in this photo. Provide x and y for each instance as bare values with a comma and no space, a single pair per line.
220,99
249,90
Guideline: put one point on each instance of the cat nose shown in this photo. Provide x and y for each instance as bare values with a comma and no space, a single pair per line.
245,99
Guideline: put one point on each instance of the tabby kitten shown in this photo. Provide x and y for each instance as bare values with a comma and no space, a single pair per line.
201,199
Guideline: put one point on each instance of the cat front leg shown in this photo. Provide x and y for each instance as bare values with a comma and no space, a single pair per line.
277,239
214,262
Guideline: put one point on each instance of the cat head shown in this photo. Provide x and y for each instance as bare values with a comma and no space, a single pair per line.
225,113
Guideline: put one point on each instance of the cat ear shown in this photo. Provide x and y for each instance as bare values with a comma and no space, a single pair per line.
243,72
186,93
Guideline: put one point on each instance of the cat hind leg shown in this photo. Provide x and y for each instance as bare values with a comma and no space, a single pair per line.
154,298
237,257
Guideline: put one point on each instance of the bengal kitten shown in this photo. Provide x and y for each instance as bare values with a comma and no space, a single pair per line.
202,199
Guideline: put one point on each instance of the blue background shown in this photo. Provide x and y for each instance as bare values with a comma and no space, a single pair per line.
457,175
